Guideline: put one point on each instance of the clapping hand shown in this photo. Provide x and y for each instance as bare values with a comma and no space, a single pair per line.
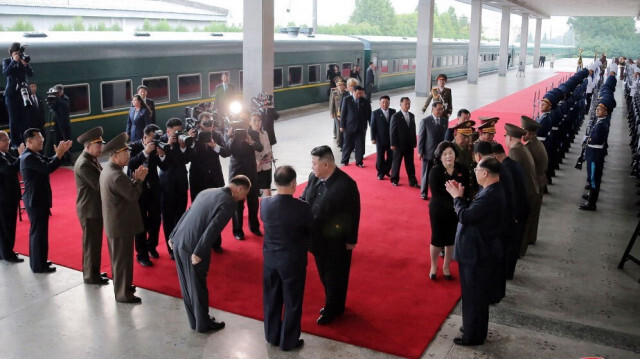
62,148
140,174
454,188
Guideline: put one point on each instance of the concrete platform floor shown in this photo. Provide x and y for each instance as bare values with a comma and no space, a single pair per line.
568,299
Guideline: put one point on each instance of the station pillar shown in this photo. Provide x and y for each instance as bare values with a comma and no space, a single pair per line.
504,41
424,49
475,29
536,43
257,49
524,37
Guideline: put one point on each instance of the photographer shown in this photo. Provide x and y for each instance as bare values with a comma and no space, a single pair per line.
206,171
16,69
173,175
59,103
145,153
243,144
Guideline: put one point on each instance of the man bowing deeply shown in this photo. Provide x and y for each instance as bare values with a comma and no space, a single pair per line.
191,242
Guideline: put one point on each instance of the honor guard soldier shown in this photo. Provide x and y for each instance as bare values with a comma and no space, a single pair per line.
487,129
440,94
549,102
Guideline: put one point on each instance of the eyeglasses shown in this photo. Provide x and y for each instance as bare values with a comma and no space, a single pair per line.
479,168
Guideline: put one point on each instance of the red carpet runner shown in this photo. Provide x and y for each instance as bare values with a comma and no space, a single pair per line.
392,306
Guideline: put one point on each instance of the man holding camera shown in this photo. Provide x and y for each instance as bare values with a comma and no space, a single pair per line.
146,152
16,68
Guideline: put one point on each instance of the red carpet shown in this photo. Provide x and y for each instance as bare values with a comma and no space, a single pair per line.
392,306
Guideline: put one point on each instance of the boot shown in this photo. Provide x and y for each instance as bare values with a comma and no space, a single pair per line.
590,205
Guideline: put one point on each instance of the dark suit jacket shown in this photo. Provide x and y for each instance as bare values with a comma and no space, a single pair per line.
223,97
287,227
36,115
152,107
173,171
9,182
205,170
369,80
16,73
87,174
120,208
354,116
243,155
137,123
380,126
152,162
479,234
430,135
35,171
401,135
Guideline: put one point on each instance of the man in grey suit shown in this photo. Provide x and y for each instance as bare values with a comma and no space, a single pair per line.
191,242
430,134
89,205
121,214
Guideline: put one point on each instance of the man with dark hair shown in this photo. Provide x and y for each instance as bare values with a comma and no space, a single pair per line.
191,241
145,153
402,141
36,113
89,205
335,206
224,94
430,133
16,69
370,80
142,91
440,94
380,123
478,244
37,197
355,113
9,199
287,227
462,116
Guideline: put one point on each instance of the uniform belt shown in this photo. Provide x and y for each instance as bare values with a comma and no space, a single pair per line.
596,146
542,138
554,128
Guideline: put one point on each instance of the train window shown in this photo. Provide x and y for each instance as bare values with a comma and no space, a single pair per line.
449,61
215,78
455,60
461,59
189,87
374,59
158,88
413,63
405,65
79,103
295,75
346,69
277,77
384,66
116,95
314,74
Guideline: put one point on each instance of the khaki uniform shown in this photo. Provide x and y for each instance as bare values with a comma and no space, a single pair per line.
520,154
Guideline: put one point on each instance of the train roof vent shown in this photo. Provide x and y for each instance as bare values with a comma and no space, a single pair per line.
34,34
141,33
216,34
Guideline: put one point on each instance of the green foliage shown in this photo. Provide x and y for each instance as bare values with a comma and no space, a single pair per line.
616,36
62,27
21,25
220,27
146,25
162,25
378,13
77,23
101,26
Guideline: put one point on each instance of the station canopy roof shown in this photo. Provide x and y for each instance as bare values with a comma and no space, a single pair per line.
547,8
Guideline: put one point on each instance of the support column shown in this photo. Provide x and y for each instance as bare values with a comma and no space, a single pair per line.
524,37
314,17
504,41
475,28
257,49
424,47
536,43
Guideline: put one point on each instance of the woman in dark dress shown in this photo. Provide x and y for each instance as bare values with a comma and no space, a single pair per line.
443,218
139,118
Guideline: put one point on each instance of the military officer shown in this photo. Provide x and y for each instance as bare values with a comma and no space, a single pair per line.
462,141
335,100
440,94
487,129
540,160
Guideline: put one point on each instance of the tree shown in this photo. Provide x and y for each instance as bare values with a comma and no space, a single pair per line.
616,36
21,25
378,13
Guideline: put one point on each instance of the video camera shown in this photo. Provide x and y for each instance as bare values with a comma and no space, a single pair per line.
23,88
157,135
24,57
190,119
52,95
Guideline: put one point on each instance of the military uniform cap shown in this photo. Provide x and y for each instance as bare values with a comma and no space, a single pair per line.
513,130
528,124
442,76
482,147
94,135
607,101
488,124
465,128
551,98
117,144
583,74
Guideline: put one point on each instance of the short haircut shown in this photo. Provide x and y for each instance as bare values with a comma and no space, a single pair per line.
402,99
497,148
14,47
436,103
442,146
323,153
490,164
359,88
205,114
4,134
142,87
241,180
284,175
443,76
351,81
151,128
174,122
463,110
385,97
370,62
30,133
483,148
255,113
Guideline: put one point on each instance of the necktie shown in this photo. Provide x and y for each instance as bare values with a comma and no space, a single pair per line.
224,87
34,100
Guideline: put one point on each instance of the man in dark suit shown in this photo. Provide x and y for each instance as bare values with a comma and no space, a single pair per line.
121,214
355,113
145,153
287,227
335,205
9,199
430,134
224,94
191,241
402,141
380,123
370,80
37,196
36,113
463,116
16,70
89,205
151,105
478,243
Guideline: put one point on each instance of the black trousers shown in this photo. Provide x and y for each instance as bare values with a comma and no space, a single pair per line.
351,141
151,217
174,204
283,290
333,269
252,203
398,156
38,238
8,217
193,285
384,159
475,282
17,118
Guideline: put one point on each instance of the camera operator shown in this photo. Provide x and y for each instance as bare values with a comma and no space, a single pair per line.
60,106
173,175
145,152
243,144
16,68
35,114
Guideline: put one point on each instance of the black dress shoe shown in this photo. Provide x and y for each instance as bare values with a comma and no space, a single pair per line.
380,177
299,344
585,196
144,262
414,185
213,326
322,310
239,236
133,300
257,232
132,289
360,165
101,281
154,253
324,319
587,207
432,276
345,164
395,184
14,259
218,249
465,343
587,187
49,263
104,275
425,198
47,270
